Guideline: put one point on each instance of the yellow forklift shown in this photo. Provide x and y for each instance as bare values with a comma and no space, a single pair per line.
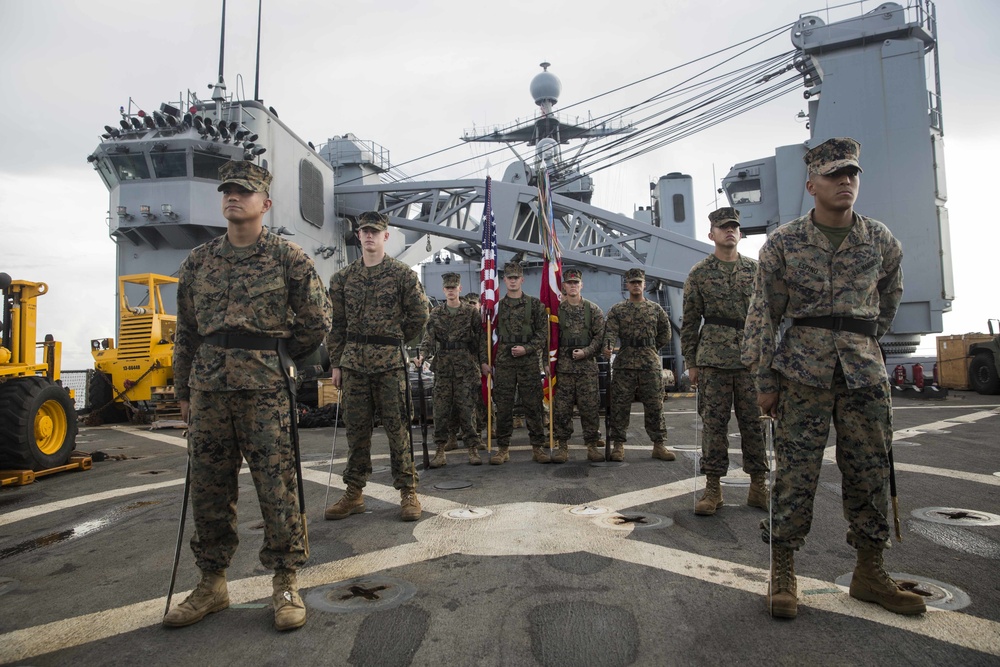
131,379
38,424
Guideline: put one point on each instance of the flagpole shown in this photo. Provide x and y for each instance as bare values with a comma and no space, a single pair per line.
489,388
552,385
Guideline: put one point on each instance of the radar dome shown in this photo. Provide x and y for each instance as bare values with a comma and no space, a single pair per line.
546,86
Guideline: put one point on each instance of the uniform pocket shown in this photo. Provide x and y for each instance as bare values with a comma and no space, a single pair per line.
269,301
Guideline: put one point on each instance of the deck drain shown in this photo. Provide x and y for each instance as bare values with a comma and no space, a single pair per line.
735,481
148,473
956,516
588,510
7,585
452,484
377,469
608,464
466,513
935,593
634,521
363,594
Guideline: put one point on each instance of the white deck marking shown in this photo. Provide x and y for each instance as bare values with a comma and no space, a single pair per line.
548,529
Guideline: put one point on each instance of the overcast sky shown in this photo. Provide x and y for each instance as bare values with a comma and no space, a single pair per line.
411,75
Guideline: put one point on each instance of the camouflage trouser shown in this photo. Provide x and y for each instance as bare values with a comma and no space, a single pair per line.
362,392
644,386
478,412
720,390
863,420
455,400
580,390
224,428
521,374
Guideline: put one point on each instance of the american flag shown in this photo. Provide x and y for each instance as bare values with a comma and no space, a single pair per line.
551,279
488,302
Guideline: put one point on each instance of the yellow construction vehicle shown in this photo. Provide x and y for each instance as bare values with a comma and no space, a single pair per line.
126,377
38,423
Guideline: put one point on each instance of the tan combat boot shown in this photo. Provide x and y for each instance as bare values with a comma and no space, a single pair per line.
711,500
661,452
451,444
757,496
474,458
409,505
595,450
872,583
350,503
782,592
210,595
502,454
439,460
618,451
539,455
561,454
289,609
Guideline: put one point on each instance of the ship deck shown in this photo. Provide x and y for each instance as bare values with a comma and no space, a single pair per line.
525,564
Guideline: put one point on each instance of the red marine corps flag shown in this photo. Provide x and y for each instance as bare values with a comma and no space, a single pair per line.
551,287
488,302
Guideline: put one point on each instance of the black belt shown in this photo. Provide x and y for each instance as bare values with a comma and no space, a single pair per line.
457,345
865,327
372,340
574,342
515,340
243,341
638,342
726,322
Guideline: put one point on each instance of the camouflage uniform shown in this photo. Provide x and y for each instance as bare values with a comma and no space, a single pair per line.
721,294
643,328
577,380
524,322
239,402
385,302
452,340
825,374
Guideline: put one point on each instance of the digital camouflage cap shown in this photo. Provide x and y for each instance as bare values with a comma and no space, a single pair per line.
635,274
451,280
724,215
572,276
373,219
511,269
247,175
833,154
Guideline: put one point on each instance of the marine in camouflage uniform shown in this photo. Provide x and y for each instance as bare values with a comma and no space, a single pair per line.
479,414
243,300
378,302
452,342
581,334
718,290
643,329
522,332
836,275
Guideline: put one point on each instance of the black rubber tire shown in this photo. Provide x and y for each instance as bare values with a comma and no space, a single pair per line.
99,394
983,375
38,424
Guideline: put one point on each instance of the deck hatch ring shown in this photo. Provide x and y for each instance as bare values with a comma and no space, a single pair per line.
956,516
362,594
